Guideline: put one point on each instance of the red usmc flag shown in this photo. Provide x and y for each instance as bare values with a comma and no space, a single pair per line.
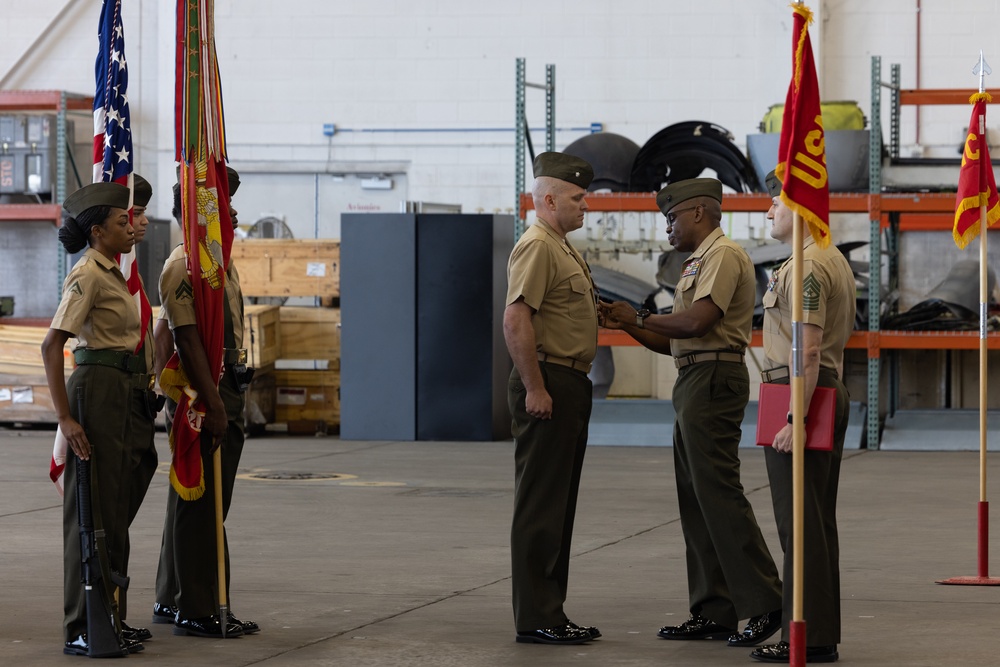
801,151
976,185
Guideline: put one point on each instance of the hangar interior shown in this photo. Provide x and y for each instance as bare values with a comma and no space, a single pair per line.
341,109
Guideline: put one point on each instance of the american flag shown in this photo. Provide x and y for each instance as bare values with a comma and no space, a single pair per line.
113,156
113,161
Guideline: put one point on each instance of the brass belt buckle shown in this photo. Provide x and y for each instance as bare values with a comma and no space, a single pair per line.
151,382
241,356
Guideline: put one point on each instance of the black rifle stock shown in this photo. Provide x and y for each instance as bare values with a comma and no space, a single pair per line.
103,627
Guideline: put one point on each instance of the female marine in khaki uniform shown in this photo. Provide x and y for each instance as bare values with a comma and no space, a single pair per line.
98,310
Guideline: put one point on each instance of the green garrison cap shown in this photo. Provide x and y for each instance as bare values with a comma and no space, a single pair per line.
96,194
773,184
142,192
675,193
234,180
567,168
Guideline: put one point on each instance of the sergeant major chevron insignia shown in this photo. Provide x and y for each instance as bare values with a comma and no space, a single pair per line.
810,293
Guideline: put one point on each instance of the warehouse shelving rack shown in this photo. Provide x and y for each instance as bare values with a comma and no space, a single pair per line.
888,213
60,102
521,136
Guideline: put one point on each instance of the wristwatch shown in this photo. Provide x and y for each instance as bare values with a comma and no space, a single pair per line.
805,420
640,317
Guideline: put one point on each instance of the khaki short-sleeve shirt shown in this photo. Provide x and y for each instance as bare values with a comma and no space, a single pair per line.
552,278
829,301
177,297
96,306
720,270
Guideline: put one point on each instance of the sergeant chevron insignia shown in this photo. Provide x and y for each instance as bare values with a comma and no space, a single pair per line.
183,291
75,288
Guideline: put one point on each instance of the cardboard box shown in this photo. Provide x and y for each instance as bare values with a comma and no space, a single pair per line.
288,267
307,395
310,333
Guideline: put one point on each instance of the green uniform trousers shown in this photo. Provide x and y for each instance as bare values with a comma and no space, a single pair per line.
166,576
548,461
142,463
189,538
117,426
731,574
821,546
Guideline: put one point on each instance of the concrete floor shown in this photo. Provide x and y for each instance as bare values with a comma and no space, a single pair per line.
406,561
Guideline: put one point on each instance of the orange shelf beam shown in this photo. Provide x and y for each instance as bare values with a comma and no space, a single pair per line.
935,96
935,340
885,340
922,203
43,100
31,212
618,338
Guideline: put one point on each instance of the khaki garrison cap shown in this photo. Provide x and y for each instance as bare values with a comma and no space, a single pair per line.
142,192
96,194
772,184
567,168
675,193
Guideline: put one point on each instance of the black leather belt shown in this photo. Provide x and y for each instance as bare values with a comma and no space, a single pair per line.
698,357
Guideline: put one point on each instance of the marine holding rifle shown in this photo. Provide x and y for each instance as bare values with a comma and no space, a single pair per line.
106,419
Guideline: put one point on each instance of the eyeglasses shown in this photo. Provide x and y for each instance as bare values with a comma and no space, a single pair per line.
672,215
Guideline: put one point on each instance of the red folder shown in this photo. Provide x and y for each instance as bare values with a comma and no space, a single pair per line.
772,415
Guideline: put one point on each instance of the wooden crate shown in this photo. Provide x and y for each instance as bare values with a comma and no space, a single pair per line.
310,333
25,398
261,335
288,267
21,351
307,396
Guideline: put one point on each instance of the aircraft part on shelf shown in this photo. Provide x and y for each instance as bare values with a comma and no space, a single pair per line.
685,150
953,304
611,155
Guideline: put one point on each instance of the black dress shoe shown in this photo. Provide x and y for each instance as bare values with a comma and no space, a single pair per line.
590,629
164,613
206,626
696,627
780,653
758,629
248,627
135,634
79,646
563,634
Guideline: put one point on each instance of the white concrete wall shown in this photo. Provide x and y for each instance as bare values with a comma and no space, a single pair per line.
431,84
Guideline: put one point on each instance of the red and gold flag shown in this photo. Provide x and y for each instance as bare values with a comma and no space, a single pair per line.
976,185
208,230
801,151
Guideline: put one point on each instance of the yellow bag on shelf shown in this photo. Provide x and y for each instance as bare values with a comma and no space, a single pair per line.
844,115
